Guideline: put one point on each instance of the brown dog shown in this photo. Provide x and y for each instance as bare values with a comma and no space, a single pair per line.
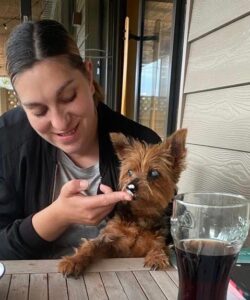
138,228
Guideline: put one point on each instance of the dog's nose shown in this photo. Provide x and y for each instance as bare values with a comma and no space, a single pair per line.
132,187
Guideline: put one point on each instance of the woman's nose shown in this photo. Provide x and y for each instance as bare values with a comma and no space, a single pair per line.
60,120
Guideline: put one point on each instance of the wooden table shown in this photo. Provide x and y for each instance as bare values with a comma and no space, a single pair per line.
116,279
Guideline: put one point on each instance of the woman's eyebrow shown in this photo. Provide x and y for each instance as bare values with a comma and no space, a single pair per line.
61,88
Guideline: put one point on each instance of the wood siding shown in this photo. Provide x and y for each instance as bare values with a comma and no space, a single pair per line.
215,101
219,118
221,58
209,15
216,170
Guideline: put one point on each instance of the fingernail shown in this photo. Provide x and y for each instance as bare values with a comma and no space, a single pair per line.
128,197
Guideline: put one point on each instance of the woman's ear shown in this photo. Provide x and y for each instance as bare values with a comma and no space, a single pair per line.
88,65
89,68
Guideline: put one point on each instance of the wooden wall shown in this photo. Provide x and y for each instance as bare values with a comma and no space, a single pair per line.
215,101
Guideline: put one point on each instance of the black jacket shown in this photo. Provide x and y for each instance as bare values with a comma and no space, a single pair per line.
27,171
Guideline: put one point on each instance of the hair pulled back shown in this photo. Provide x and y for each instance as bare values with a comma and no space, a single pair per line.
32,42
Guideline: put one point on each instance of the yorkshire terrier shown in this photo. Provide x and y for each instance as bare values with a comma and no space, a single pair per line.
139,228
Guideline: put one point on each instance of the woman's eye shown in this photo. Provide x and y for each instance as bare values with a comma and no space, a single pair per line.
69,99
153,174
40,113
130,173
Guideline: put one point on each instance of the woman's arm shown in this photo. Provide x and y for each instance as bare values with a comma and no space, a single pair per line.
18,240
31,237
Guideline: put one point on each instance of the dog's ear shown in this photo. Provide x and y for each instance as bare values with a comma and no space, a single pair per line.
177,149
120,143
178,143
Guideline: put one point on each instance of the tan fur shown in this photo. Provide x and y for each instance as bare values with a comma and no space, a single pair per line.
138,228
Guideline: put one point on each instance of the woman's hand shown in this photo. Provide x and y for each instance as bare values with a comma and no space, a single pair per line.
74,206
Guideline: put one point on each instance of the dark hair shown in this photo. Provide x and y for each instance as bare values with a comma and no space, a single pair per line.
31,42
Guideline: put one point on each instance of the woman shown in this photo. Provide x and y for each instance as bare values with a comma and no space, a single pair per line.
58,169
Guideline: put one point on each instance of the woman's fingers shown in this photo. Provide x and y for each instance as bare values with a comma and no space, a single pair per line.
88,209
111,198
105,189
74,186
98,215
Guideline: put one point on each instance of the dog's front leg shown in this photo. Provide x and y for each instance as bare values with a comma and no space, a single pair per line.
157,258
90,250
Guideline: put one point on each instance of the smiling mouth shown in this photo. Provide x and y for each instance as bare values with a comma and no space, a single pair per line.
68,133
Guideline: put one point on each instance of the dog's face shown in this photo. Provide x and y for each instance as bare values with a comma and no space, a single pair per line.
150,172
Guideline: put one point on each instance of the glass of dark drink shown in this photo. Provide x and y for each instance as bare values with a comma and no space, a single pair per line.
209,230
2,270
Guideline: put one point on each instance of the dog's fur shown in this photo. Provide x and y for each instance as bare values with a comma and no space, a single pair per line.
138,228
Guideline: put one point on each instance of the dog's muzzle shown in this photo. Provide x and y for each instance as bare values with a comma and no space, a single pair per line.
132,188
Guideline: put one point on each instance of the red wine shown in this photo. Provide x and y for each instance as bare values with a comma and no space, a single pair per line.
204,267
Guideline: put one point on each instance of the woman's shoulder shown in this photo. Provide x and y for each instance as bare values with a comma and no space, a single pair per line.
12,117
15,131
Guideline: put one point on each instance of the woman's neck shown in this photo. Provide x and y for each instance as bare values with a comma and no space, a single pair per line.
89,157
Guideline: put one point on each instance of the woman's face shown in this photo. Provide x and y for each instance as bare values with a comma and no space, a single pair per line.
58,101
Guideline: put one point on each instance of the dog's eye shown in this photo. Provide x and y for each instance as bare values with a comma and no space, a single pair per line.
153,174
130,173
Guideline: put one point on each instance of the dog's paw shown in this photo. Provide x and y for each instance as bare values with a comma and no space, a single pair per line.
157,262
68,266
